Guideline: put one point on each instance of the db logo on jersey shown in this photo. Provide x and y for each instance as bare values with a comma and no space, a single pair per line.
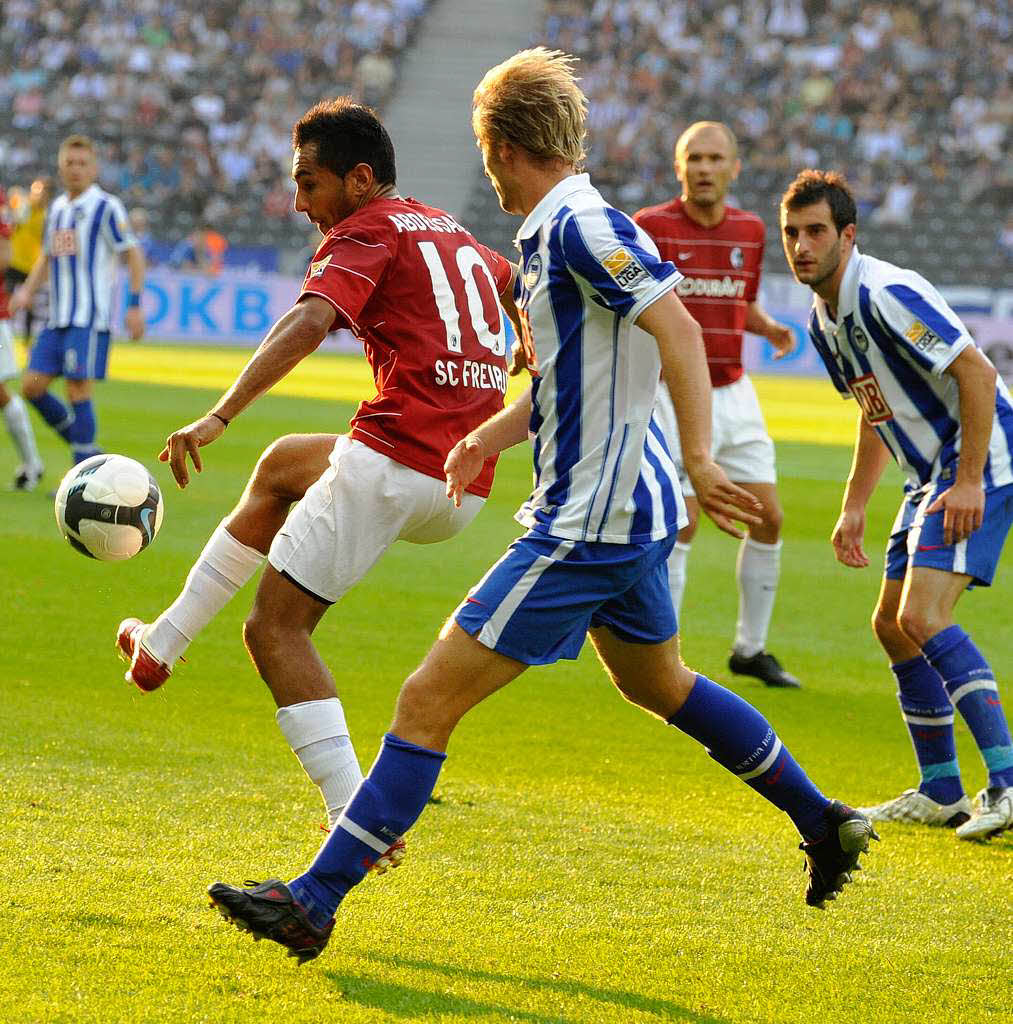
869,396
64,242
317,268
623,267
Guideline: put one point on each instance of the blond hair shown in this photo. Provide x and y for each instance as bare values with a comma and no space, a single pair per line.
720,126
532,100
77,142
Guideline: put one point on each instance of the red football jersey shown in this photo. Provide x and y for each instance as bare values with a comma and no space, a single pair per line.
421,294
722,275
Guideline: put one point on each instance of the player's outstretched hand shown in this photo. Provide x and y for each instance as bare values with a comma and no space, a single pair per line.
463,464
186,441
724,501
783,340
963,508
847,539
135,323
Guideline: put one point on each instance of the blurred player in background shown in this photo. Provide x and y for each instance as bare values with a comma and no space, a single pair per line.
600,522
931,399
15,412
719,249
86,231
421,295
28,221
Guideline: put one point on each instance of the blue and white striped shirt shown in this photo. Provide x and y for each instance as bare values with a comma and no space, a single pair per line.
83,239
602,469
892,341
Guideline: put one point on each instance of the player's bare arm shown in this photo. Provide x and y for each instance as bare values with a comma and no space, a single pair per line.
134,258
684,369
963,504
867,465
759,321
295,335
499,432
25,292
518,358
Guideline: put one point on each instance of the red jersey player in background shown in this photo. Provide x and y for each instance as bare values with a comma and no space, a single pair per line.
719,249
420,293
15,412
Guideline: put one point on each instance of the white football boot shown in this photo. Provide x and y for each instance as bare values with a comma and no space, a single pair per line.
992,814
914,808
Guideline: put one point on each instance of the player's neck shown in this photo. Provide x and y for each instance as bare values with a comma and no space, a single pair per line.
73,194
829,289
532,190
705,216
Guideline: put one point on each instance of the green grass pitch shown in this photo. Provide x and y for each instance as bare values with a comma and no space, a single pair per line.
581,862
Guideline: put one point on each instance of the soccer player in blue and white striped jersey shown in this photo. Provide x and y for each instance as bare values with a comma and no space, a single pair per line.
87,231
932,400
601,521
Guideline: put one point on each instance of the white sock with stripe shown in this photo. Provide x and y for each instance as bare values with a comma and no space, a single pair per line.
223,568
318,735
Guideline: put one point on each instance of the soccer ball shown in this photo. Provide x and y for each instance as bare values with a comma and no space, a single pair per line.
109,507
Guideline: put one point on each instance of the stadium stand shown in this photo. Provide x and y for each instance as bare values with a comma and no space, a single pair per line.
193,106
912,101
192,103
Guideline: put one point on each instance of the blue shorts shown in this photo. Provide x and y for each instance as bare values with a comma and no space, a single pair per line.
538,601
917,539
78,353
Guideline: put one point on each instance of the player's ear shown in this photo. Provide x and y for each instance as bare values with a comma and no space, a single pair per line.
848,233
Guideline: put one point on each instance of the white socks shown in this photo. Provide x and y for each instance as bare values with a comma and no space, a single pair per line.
758,571
223,568
317,733
677,576
19,426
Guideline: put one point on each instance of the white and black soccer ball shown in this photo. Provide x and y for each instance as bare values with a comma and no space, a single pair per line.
109,507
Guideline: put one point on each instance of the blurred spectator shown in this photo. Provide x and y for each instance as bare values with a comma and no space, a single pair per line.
1006,238
203,250
140,225
898,203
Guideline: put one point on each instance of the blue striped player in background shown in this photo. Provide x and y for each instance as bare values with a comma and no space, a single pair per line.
601,521
931,399
87,231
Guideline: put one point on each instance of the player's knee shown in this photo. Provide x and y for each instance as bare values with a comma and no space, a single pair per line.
271,465
887,628
919,624
32,388
773,520
261,634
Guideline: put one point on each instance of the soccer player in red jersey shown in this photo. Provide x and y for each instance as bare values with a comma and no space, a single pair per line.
719,249
15,413
421,294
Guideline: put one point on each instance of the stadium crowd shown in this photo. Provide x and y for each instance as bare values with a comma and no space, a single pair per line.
193,104
906,94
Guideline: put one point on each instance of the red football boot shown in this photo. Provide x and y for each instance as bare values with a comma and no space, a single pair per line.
146,672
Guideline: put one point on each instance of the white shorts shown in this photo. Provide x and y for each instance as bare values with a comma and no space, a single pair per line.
740,443
361,504
8,362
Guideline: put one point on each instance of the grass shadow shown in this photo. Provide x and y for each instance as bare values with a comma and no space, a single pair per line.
394,998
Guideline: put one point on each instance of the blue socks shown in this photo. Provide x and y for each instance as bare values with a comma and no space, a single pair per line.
75,425
971,686
386,804
82,431
55,413
928,714
740,739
